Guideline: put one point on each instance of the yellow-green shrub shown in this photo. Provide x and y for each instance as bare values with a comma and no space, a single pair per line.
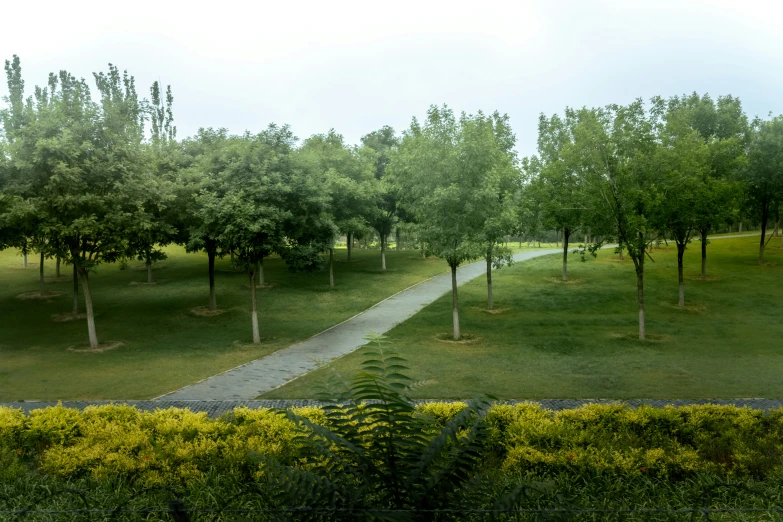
442,412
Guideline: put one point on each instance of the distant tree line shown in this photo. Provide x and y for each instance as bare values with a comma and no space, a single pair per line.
99,176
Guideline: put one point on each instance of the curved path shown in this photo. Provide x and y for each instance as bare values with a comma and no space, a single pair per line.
252,379
256,377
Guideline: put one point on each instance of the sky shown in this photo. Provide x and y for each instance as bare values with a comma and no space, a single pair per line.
356,66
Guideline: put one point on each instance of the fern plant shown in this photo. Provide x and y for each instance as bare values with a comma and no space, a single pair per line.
376,458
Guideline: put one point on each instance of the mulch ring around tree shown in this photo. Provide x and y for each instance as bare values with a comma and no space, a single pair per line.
204,311
494,311
38,296
145,283
103,347
465,338
64,318
559,280
635,336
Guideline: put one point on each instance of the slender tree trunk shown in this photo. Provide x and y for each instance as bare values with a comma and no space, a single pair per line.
57,267
41,282
149,271
764,218
211,256
260,270
331,268
349,242
25,259
423,251
383,254
490,303
253,311
621,252
84,277
454,302
398,245
740,227
566,234
703,252
680,254
75,291
640,296
586,238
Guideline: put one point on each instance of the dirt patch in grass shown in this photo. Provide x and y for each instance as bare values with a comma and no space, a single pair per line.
204,311
38,296
64,318
20,266
559,280
635,336
103,347
464,338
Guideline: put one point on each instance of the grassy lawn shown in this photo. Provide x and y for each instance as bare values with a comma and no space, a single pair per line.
165,346
575,340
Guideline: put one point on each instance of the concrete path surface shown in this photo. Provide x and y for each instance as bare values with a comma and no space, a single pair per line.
256,377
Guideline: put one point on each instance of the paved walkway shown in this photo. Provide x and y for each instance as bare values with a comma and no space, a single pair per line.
256,377
217,408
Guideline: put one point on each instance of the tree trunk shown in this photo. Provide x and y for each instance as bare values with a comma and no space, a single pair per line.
621,252
25,259
41,282
490,303
350,245
57,267
586,238
423,251
331,268
253,311
383,254
84,277
149,271
398,245
454,303
75,291
212,299
680,254
703,253
640,296
764,218
740,227
260,269
566,234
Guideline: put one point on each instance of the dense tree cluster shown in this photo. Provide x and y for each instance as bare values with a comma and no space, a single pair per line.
84,180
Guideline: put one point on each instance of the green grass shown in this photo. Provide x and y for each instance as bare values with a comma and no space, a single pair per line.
165,346
577,340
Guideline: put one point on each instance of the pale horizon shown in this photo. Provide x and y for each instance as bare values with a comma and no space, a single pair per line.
317,66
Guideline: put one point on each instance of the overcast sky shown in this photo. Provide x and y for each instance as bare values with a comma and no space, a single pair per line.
356,66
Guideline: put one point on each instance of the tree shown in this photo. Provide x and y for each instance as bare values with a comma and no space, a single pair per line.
764,173
198,185
87,157
349,180
156,226
450,171
560,178
382,143
683,161
617,145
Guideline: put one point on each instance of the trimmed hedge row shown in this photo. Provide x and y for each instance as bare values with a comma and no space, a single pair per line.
175,445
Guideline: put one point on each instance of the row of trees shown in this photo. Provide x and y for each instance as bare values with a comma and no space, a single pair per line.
85,181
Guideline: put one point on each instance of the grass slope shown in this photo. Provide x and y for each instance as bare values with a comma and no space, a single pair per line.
576,340
165,346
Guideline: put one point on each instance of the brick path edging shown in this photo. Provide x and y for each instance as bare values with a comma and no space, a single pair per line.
217,408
